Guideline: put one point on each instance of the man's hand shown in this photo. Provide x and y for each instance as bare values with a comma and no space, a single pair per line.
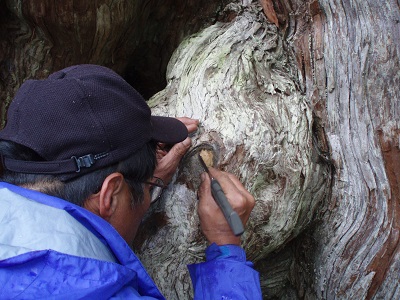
212,220
168,159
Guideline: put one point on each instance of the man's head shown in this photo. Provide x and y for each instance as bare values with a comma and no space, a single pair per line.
80,119
85,135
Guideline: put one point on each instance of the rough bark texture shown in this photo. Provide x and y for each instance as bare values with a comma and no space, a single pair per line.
337,74
134,38
348,52
40,37
241,81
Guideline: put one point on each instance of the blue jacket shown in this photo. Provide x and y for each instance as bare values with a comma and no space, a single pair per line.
53,249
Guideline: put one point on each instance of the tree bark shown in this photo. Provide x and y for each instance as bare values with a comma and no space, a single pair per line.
340,79
134,38
241,80
358,250
348,52
349,71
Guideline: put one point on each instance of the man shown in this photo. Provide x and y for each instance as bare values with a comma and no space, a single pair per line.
82,160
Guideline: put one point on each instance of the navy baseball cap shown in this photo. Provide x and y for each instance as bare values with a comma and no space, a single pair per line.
80,119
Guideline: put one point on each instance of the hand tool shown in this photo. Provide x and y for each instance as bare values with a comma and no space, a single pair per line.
219,196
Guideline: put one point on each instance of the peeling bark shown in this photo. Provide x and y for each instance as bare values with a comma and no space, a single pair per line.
348,60
361,62
338,76
238,79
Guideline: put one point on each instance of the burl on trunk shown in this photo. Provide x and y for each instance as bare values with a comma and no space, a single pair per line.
240,80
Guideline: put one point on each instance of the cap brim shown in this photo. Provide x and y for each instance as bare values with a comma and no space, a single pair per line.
168,130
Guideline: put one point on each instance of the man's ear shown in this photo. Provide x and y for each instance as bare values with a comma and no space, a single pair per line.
109,195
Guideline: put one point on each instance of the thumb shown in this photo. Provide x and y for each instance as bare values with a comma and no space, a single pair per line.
179,150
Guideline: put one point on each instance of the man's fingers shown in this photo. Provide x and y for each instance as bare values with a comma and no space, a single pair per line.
212,220
169,156
179,150
240,199
205,187
167,162
207,204
223,179
240,187
191,124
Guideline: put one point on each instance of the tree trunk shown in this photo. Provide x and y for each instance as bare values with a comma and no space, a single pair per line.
355,75
256,123
348,52
134,38
303,108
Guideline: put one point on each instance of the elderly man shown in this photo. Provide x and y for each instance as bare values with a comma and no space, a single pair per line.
82,161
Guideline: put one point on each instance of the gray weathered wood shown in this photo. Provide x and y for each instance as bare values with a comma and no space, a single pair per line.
242,83
341,66
347,54
358,241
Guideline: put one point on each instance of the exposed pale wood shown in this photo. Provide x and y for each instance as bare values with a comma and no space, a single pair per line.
346,65
238,79
349,63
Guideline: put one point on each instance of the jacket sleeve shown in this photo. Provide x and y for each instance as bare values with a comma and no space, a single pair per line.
225,275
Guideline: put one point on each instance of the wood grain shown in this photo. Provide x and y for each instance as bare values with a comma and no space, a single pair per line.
330,72
242,85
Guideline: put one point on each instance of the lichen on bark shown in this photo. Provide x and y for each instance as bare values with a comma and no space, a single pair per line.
240,81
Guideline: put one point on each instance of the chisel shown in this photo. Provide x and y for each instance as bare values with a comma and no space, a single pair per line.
218,194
